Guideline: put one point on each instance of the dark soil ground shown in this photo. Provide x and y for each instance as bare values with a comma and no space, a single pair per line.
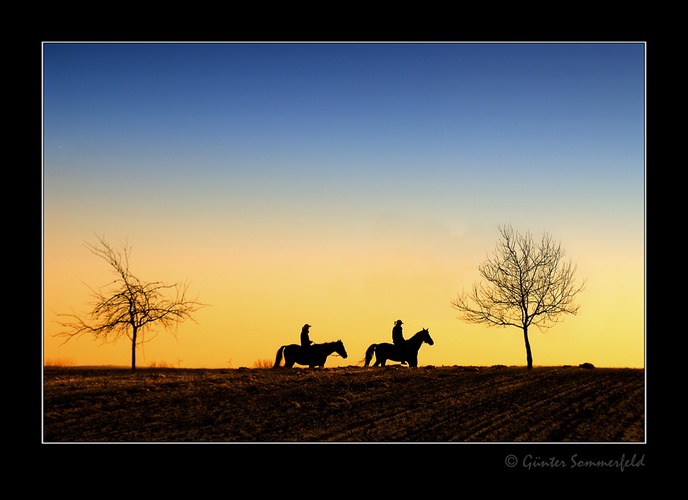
348,404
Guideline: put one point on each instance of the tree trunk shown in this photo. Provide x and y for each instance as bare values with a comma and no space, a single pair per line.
529,355
133,350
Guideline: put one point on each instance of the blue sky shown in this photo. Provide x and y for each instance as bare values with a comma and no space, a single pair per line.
398,115
368,147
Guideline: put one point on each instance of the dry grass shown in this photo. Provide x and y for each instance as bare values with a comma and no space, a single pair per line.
59,363
348,404
263,363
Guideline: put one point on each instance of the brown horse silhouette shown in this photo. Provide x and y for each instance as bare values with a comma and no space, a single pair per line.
407,352
312,356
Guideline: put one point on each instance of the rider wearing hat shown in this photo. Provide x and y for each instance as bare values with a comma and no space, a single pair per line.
398,336
305,339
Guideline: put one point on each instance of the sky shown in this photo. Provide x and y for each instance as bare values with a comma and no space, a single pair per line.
343,185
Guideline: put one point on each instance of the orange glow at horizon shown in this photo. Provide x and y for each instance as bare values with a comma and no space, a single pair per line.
258,301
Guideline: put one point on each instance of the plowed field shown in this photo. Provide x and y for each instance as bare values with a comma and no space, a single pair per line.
348,404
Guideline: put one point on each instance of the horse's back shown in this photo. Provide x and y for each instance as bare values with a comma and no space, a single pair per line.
384,346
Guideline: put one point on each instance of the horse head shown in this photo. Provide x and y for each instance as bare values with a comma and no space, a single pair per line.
425,334
339,349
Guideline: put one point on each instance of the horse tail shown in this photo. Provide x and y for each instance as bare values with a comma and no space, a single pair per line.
278,358
369,354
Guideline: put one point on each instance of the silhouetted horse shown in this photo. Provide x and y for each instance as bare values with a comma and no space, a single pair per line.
408,352
313,356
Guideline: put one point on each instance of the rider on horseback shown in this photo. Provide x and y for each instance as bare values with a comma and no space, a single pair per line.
398,337
305,339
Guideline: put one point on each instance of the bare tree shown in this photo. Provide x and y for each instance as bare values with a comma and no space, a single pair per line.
526,283
129,307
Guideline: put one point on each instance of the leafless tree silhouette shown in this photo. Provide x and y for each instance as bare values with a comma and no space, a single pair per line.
128,306
526,283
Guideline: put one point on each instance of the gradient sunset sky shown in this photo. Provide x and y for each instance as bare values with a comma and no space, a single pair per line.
344,185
